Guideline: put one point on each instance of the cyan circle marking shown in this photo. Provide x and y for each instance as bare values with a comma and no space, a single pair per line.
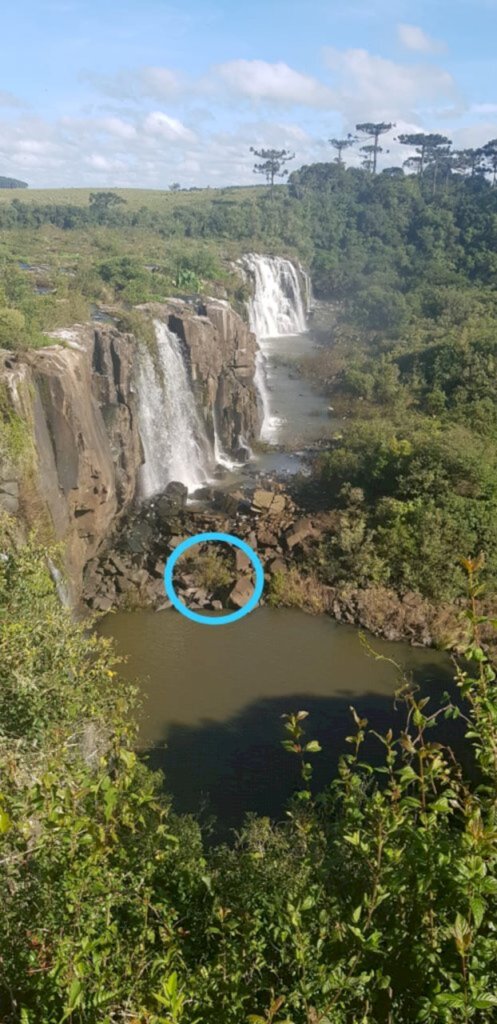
222,620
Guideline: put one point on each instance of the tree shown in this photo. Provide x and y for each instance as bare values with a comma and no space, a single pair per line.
341,144
439,158
369,159
423,144
412,163
490,153
393,172
12,183
102,202
469,161
372,130
273,161
175,187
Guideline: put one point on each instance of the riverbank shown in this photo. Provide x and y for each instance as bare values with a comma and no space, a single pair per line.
128,574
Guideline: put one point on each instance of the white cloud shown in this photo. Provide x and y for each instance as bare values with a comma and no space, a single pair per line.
374,87
99,162
414,38
275,83
119,128
158,123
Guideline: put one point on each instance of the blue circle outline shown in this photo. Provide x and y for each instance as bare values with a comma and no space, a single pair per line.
206,620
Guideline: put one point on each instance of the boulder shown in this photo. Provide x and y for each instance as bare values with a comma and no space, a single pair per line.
229,502
278,565
300,530
267,537
174,498
102,603
268,503
119,564
174,542
261,501
242,561
241,593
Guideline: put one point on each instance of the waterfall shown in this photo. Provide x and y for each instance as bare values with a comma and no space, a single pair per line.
174,440
276,308
220,456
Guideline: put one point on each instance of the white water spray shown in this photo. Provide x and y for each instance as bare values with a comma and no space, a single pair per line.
173,437
276,308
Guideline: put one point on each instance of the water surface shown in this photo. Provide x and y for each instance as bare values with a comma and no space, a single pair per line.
214,699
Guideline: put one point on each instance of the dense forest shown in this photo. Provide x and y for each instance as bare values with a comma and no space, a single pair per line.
374,902
410,269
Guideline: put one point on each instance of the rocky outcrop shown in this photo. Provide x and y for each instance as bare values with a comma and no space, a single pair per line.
77,401
130,573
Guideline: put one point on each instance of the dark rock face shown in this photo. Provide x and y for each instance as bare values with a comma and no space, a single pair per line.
77,403
78,398
173,499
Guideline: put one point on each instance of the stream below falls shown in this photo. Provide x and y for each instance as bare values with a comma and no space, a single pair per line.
213,698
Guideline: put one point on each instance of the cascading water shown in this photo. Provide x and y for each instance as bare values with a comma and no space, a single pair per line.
220,456
276,308
174,440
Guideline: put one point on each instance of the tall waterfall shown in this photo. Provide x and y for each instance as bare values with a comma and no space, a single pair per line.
276,308
173,437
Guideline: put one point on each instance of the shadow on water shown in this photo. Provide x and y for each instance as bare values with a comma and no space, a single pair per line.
213,701
227,769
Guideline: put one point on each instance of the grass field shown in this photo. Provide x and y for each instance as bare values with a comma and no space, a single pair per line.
153,199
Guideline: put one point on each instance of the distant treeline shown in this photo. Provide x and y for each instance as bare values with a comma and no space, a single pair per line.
12,183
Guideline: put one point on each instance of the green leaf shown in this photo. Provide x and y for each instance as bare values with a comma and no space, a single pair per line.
478,908
5,822
313,747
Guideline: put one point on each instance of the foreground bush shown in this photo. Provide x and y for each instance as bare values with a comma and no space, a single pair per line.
373,902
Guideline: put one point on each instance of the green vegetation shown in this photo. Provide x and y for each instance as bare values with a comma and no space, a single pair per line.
212,569
373,901
409,263
16,444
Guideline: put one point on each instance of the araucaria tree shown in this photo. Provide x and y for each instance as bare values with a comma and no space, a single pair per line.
273,163
425,144
373,130
340,145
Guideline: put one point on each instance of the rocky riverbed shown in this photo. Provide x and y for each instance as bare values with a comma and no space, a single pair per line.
129,571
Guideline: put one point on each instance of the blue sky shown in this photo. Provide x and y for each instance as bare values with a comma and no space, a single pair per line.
146,93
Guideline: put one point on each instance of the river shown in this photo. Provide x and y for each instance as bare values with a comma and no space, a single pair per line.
213,699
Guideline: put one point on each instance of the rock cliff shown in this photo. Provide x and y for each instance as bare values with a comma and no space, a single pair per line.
77,403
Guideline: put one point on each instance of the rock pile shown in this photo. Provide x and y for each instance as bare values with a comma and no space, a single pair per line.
130,572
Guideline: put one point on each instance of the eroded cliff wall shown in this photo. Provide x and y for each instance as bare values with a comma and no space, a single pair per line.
77,403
